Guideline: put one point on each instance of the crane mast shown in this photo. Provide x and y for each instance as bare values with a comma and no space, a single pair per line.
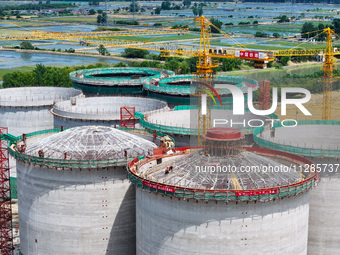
328,78
205,75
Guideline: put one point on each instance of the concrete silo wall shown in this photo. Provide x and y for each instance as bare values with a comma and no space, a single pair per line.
324,215
170,226
21,120
75,212
69,123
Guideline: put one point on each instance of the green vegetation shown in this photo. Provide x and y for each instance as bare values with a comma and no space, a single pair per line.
134,53
134,7
102,18
38,7
217,23
92,12
282,19
102,50
261,34
11,70
26,45
308,31
127,22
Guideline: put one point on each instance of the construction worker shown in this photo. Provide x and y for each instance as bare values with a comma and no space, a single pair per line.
171,168
41,153
166,170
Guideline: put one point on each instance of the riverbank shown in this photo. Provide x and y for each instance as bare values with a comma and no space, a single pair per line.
80,54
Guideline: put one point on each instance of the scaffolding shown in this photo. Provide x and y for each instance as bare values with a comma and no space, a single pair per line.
6,228
127,116
264,97
175,184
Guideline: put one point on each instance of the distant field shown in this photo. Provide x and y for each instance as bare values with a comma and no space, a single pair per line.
314,106
276,45
156,38
9,32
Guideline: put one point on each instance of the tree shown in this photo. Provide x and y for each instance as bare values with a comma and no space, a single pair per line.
134,53
284,60
26,45
283,18
321,36
187,3
336,24
102,18
216,23
172,65
166,5
200,11
134,7
38,73
92,12
276,35
158,11
99,18
195,11
230,64
261,34
306,29
102,50
185,69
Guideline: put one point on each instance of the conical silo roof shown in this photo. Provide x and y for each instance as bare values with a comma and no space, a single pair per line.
91,143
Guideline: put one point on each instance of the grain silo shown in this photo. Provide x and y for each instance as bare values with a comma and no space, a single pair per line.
74,195
177,90
181,122
118,80
27,109
319,141
102,111
222,199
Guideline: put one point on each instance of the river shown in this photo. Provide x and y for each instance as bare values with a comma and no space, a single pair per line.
12,59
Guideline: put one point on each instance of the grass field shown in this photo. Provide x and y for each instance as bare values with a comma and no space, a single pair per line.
10,70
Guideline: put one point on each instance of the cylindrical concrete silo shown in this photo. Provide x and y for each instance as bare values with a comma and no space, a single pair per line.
103,111
181,123
118,80
74,195
178,90
27,109
319,141
196,201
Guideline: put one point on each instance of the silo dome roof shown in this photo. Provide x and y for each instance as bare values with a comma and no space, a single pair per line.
91,143
245,171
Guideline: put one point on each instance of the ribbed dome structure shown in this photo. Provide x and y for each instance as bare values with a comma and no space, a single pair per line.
91,143
199,171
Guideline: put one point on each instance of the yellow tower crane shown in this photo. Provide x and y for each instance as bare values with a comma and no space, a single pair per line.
328,78
328,66
205,75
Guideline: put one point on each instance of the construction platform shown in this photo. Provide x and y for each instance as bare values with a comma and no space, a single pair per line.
120,80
